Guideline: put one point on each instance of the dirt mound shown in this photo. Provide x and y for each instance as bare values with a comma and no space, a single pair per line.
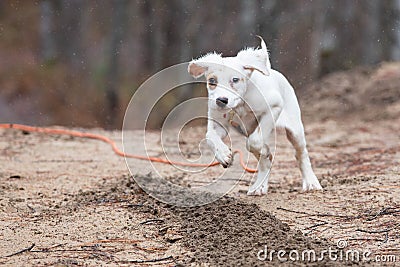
226,232
229,232
366,92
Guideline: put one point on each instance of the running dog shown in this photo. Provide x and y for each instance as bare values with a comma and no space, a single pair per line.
245,93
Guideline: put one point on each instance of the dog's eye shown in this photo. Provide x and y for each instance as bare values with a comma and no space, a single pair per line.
235,80
212,81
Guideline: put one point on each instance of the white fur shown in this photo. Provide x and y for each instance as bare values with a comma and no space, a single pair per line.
262,99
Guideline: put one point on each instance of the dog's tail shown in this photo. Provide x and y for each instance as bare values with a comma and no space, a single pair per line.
265,52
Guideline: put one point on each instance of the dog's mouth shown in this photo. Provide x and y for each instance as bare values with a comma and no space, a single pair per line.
234,104
224,104
223,109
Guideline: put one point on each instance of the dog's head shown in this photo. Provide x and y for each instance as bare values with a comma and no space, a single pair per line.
228,77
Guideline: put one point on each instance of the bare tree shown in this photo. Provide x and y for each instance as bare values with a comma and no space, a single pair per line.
370,22
390,33
68,15
319,14
48,43
248,19
116,38
395,54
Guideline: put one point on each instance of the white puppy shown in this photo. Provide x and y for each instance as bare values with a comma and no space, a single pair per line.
244,92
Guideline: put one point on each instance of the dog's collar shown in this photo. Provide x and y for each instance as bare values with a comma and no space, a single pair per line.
231,114
235,125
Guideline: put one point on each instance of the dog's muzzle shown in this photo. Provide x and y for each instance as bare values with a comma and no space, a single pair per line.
221,101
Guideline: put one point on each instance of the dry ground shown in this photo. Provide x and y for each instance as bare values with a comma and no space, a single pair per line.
71,201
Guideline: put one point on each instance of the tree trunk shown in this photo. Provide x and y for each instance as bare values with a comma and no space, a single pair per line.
395,31
157,34
117,34
319,11
248,20
48,45
68,19
371,30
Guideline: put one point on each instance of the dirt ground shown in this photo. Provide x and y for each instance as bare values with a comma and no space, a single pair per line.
68,201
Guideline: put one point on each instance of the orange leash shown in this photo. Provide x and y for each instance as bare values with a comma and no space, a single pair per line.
114,146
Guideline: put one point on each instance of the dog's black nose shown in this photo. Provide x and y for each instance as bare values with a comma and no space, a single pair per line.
222,101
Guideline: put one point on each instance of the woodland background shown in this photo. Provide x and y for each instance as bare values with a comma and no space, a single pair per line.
77,63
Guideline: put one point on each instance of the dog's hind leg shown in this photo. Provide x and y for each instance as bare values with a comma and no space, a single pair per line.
261,150
295,134
259,144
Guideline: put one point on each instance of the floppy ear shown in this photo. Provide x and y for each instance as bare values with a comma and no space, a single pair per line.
198,67
253,68
256,59
196,70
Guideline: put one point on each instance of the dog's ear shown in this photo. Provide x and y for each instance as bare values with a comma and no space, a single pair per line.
252,68
198,67
256,59
196,70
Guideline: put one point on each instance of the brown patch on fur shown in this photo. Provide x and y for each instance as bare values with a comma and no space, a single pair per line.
212,85
196,70
251,68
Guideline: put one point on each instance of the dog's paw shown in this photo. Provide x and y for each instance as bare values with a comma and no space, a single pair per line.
224,156
260,191
311,183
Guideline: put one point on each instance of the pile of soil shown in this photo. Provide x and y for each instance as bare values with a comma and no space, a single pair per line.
226,232
364,92
229,232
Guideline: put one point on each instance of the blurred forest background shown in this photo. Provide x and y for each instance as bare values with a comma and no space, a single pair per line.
77,63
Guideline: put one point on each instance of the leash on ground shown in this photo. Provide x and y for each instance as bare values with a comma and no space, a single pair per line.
114,147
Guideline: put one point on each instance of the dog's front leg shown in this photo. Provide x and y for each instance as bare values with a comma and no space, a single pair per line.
215,133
